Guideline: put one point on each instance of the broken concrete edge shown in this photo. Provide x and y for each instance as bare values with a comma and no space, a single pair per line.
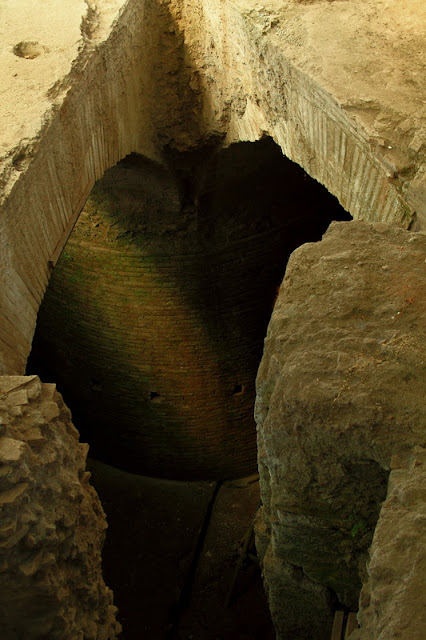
53,525
331,426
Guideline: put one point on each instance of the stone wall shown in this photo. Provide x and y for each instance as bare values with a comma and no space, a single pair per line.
52,523
339,86
339,396
392,602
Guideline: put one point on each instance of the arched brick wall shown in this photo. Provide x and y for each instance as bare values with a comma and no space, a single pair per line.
156,81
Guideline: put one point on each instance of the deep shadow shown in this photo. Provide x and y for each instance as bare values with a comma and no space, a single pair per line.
153,327
157,310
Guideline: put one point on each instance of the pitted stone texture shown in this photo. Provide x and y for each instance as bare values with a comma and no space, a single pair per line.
392,603
52,523
340,391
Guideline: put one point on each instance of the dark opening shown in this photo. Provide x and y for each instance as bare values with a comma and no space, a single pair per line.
95,385
168,282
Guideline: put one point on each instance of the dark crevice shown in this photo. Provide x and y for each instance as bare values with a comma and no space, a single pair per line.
187,588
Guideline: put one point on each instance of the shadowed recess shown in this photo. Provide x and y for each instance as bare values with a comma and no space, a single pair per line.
154,318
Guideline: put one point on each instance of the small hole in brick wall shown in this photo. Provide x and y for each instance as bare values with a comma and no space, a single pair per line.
238,390
95,385
154,395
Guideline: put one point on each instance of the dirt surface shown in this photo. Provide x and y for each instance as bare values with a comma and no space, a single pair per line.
376,49
40,41
369,55
366,53
227,601
171,554
25,81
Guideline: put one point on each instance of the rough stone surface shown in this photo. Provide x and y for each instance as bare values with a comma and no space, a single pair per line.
338,85
340,393
392,602
52,523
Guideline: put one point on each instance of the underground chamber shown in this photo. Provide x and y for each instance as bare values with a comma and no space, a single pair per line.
152,327
153,322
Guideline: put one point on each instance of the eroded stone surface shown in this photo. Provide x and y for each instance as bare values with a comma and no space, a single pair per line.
392,603
52,523
339,393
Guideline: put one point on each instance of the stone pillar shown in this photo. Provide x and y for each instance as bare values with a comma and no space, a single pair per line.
340,393
392,602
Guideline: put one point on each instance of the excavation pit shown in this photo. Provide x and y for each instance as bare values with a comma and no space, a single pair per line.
162,296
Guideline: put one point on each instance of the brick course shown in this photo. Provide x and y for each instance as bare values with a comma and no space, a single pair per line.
154,319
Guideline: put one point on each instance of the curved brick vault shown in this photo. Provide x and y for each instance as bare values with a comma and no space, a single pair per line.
155,316
145,76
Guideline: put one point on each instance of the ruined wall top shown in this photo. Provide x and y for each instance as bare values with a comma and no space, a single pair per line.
338,85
